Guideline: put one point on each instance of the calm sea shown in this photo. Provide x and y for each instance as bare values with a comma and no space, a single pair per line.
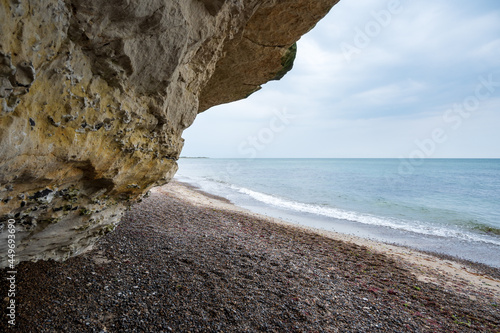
450,206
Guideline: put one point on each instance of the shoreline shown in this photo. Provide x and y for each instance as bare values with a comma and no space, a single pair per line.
430,267
419,214
182,261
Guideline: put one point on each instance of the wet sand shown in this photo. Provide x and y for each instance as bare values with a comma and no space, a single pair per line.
182,261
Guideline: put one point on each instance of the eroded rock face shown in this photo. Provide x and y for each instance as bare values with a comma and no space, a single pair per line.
95,95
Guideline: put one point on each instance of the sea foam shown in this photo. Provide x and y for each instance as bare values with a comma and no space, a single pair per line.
340,214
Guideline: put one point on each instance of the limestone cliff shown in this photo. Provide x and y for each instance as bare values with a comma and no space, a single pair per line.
95,95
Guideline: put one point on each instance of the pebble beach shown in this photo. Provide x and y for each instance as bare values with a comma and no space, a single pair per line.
185,261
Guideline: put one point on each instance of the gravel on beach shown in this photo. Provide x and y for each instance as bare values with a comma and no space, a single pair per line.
172,266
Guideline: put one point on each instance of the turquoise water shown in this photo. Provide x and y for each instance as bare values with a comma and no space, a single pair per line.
445,205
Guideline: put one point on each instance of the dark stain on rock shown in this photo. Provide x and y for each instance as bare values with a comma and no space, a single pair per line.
41,194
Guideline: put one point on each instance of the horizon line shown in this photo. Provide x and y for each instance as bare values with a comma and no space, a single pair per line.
366,158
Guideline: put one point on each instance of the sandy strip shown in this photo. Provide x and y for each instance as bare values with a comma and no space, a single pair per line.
450,275
181,261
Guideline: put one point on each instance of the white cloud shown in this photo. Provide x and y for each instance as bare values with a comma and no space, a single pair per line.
392,93
405,92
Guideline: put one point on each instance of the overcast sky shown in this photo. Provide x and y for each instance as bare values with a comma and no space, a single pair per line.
374,79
